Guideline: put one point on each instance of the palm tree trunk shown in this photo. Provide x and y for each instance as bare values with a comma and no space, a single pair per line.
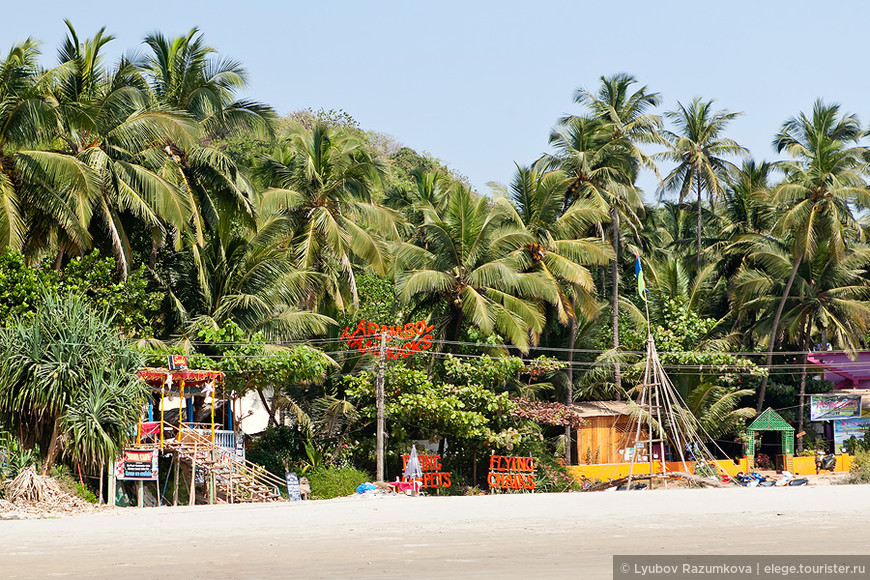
773,331
698,254
269,410
803,392
569,394
614,307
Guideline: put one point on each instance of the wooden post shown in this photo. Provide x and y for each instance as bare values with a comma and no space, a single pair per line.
212,484
212,415
181,405
100,502
141,494
177,474
379,388
162,389
192,500
110,475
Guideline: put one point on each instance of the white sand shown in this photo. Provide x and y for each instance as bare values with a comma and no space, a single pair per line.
507,536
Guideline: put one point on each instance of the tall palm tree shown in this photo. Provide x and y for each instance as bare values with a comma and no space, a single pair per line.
245,277
186,76
627,111
558,247
464,271
828,299
601,168
700,152
825,175
108,166
323,180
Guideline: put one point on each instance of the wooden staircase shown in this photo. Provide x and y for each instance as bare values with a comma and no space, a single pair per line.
230,478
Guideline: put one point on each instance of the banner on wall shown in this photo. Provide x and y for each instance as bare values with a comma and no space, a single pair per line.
846,428
834,407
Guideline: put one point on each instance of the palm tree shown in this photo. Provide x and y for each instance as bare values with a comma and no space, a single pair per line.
716,409
323,180
108,167
465,272
823,177
626,111
247,278
186,76
700,152
828,299
557,247
601,168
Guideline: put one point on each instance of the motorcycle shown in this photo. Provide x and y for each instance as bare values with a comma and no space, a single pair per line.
825,462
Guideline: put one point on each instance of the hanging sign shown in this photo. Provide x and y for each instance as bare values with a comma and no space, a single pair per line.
430,465
177,362
834,407
293,486
511,472
137,464
402,340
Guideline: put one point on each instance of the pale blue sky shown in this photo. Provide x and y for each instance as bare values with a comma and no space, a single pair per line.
480,84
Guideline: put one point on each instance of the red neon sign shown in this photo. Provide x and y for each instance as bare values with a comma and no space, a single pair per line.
366,337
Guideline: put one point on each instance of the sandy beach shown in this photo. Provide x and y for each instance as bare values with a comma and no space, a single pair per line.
505,536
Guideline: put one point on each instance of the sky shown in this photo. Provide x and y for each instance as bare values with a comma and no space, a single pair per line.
480,84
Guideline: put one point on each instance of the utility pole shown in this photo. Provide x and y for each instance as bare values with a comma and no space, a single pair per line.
379,388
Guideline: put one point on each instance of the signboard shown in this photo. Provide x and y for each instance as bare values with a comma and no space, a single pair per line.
402,340
834,407
177,362
293,487
511,472
137,464
845,428
430,465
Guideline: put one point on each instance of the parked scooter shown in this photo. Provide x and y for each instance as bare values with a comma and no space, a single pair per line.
825,462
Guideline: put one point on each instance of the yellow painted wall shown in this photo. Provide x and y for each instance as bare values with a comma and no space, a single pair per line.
605,471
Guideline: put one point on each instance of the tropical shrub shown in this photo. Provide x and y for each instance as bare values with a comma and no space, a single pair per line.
328,483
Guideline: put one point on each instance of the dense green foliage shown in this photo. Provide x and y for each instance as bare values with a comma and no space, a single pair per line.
197,222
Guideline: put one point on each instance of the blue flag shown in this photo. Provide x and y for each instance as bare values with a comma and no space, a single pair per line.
638,271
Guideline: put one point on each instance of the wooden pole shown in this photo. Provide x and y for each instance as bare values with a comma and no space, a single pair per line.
212,483
141,494
162,390
177,475
192,500
379,388
181,405
212,415
110,475
101,484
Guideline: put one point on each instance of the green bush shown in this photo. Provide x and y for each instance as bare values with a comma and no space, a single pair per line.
860,471
329,483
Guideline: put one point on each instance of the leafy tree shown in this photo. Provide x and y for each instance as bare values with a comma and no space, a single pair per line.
65,370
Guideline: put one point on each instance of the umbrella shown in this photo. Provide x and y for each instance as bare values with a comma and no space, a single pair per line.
412,469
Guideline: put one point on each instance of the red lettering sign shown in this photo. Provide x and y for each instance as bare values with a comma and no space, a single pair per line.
430,465
414,337
511,472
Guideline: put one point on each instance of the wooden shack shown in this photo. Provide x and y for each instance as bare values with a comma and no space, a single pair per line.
607,433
